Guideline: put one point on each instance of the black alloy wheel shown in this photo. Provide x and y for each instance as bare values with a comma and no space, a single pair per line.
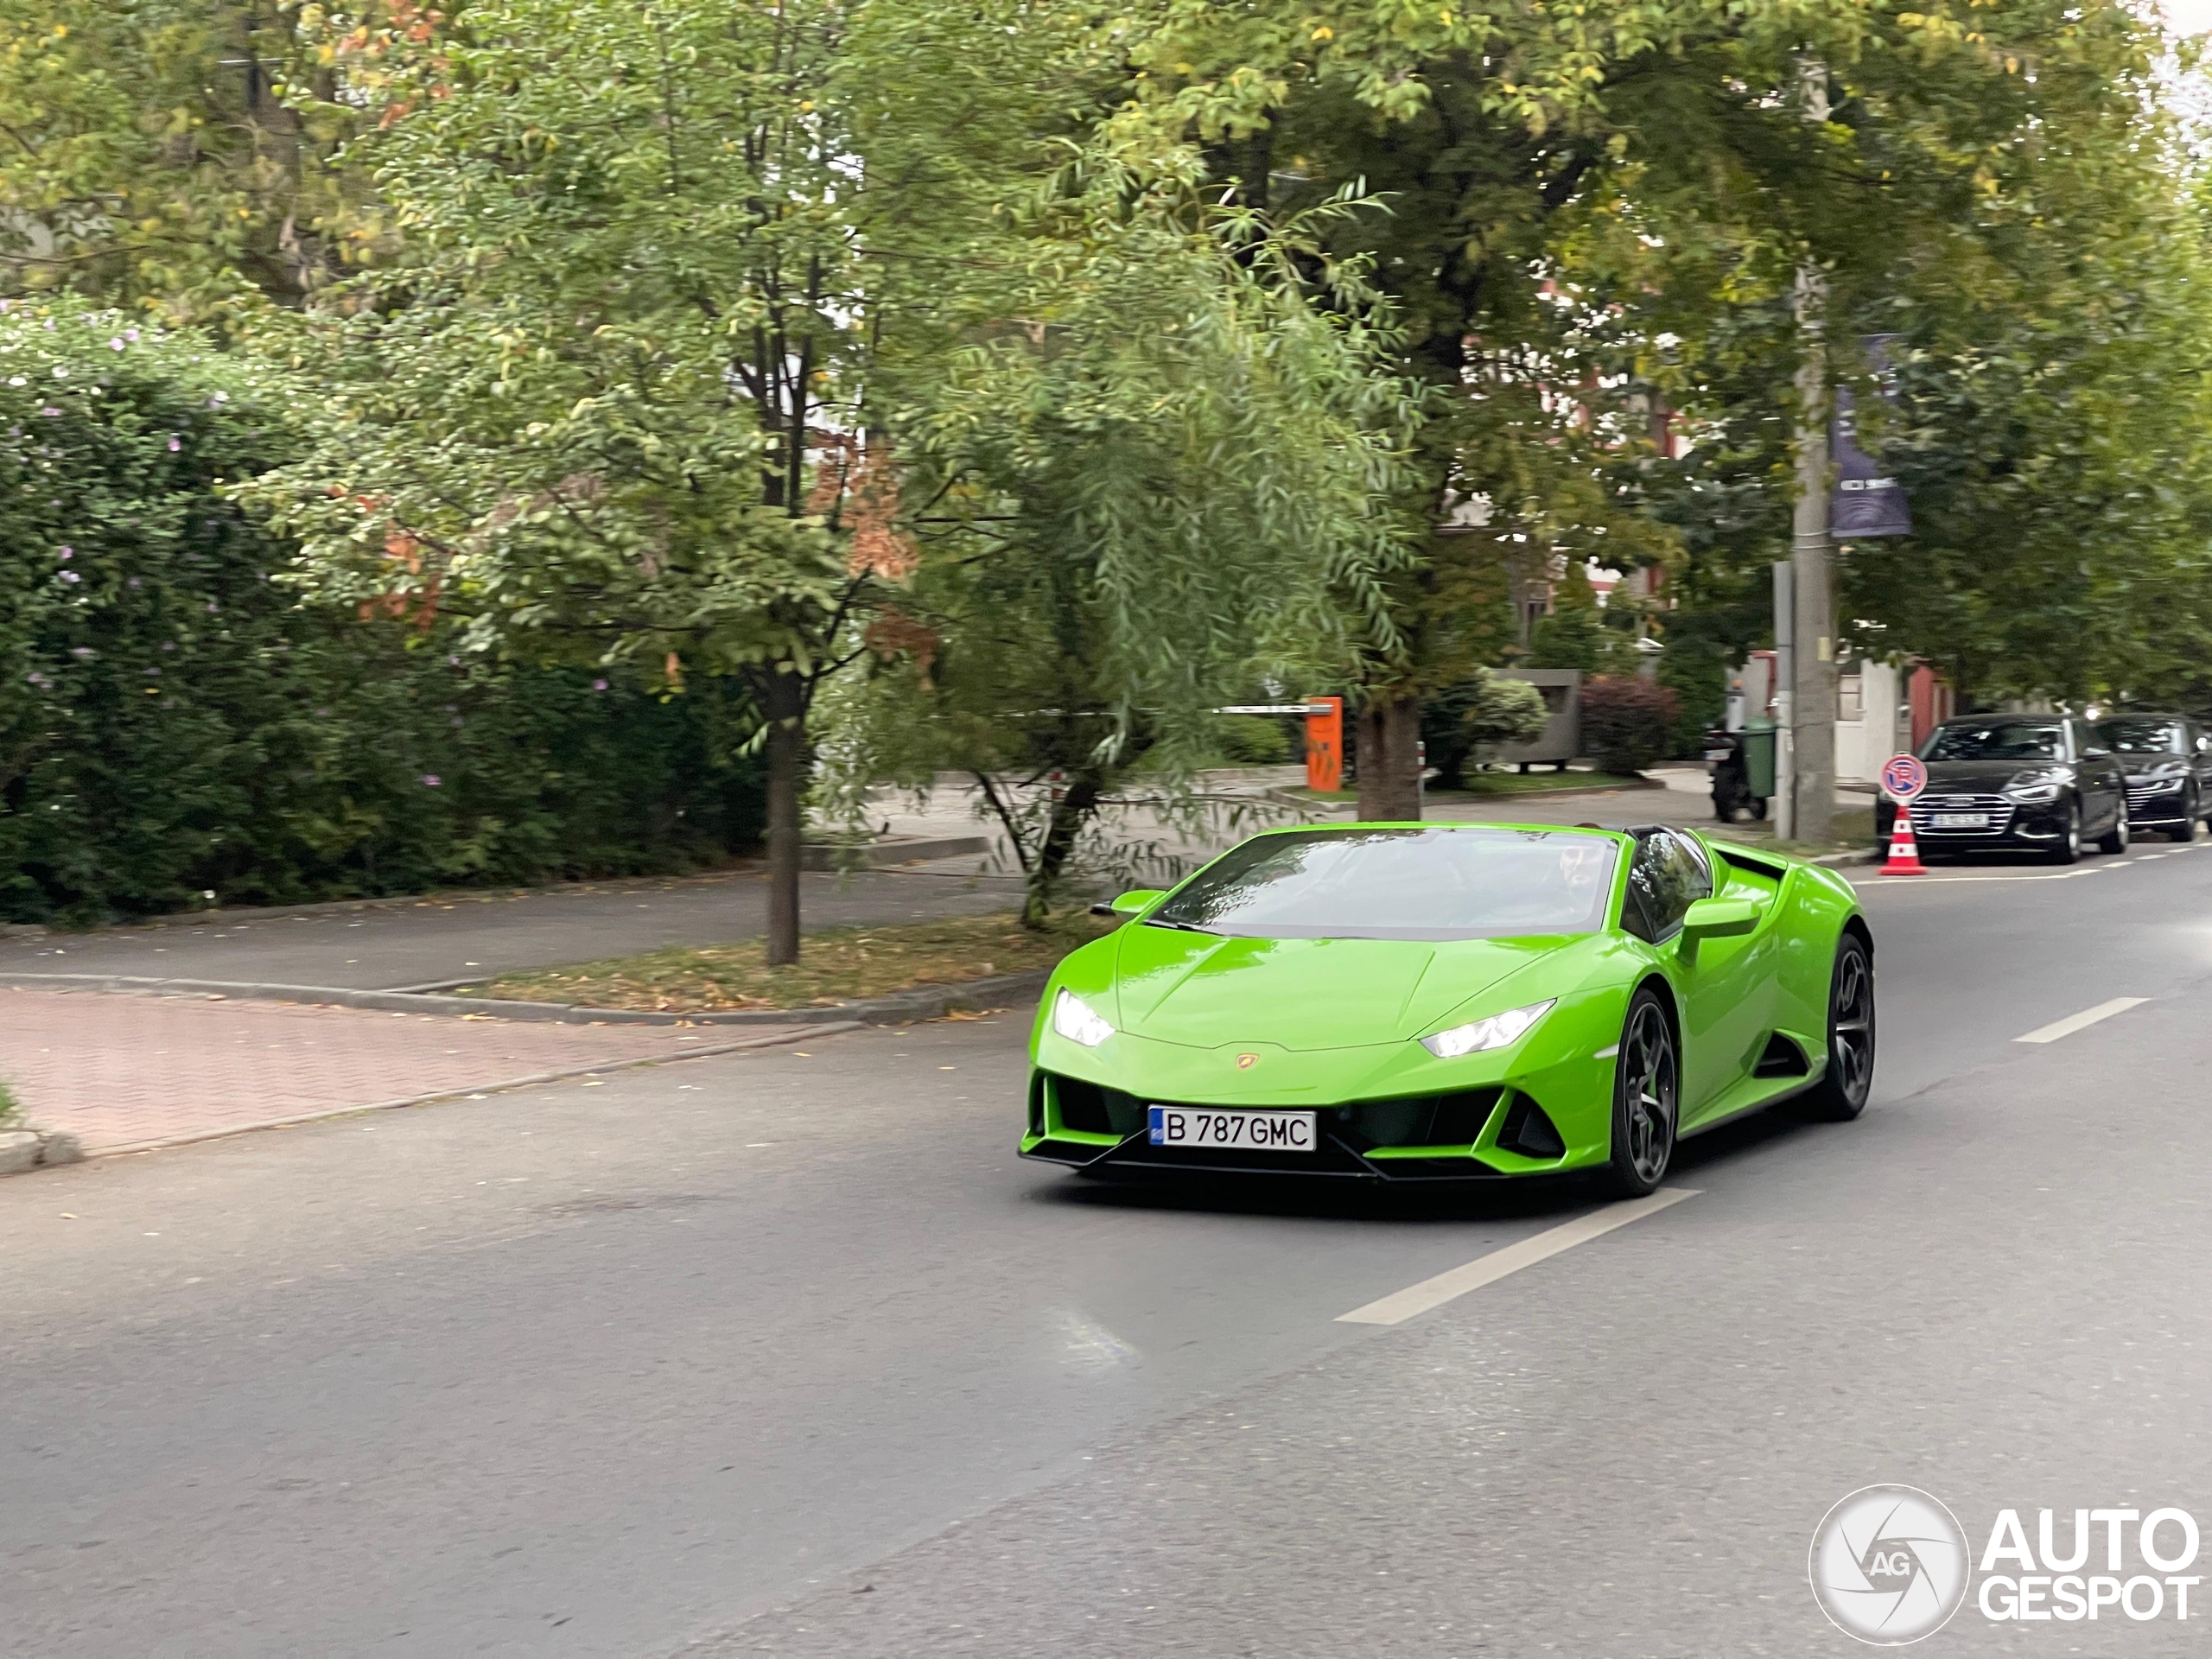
2069,840
2114,840
1840,1095
1647,1092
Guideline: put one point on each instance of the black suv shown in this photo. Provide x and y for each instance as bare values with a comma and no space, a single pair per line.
2168,760
2040,783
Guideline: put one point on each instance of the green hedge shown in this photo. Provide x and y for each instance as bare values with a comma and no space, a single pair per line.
172,723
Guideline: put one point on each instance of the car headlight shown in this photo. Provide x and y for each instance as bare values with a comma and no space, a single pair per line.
2034,788
1078,1021
1499,1030
2159,782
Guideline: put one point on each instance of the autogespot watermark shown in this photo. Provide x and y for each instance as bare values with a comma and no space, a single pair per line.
1891,1565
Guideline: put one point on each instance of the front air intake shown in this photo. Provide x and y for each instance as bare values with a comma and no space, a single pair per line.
1529,1131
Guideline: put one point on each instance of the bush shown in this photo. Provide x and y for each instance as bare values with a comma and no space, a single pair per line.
1484,708
1628,723
174,723
1254,741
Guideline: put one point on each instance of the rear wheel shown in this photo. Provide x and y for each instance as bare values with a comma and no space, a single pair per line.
1840,1095
1647,1083
2069,839
2114,840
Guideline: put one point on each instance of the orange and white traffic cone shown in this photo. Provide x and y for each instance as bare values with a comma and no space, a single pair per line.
1904,853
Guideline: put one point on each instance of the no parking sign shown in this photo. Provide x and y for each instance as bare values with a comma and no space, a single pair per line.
1903,777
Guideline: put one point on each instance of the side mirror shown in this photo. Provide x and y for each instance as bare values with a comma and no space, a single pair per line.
1128,904
1720,918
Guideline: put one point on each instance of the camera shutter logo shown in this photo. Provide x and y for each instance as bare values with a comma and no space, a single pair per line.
1890,1565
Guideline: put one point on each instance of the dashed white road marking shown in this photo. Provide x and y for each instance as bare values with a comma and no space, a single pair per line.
2073,1023
1401,1304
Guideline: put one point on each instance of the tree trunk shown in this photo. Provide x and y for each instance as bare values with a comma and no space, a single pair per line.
1076,803
784,704
1388,735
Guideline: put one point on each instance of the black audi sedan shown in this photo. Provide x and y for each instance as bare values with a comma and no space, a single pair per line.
2168,761
2027,782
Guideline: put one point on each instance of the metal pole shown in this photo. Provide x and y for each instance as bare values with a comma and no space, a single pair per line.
1785,736
1811,553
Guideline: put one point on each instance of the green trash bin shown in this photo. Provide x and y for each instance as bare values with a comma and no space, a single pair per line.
1758,758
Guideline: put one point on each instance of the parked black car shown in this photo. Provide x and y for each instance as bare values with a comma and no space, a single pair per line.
2168,761
2041,783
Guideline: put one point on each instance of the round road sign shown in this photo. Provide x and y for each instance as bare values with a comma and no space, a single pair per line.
1903,777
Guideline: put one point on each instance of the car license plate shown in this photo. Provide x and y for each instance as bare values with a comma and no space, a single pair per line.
1961,821
1191,1126
1719,754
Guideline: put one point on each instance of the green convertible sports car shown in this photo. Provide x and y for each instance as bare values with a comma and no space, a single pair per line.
1421,1000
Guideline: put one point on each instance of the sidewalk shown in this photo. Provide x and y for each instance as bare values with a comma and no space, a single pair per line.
132,1071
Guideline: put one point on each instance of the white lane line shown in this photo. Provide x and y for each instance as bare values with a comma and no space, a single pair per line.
1401,1304
2073,1023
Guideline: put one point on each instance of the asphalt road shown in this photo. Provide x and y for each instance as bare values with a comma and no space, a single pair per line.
784,1353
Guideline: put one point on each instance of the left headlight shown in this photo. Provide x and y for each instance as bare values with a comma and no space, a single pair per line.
1499,1030
1078,1021
2034,788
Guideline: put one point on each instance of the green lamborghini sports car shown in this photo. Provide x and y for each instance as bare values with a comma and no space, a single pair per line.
1416,1001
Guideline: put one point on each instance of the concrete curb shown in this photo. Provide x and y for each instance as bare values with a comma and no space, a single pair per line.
23,1149
925,1002
435,1095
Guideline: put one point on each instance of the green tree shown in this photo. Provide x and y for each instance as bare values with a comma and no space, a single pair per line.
624,397
1597,208
181,158
1573,635
1174,480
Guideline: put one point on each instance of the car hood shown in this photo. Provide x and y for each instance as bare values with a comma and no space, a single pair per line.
1207,990
1980,776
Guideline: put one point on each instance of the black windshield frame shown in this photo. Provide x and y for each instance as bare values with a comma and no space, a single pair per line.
1400,883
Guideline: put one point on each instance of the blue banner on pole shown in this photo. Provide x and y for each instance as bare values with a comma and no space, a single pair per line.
1867,501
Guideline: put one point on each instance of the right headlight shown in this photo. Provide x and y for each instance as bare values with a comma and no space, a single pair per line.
2034,788
1499,1030
1078,1021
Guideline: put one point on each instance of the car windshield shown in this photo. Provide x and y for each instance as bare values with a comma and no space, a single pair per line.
1401,883
2142,736
1997,740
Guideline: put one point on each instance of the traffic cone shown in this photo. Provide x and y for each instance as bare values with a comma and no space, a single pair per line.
1904,855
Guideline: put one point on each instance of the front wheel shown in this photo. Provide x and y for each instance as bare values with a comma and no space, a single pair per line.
1840,1095
1647,1084
2069,840
2114,840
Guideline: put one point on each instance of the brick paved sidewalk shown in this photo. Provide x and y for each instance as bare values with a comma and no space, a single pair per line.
121,1071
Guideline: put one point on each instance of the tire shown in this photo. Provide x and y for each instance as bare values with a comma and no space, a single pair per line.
1646,1099
2114,840
2070,844
1840,1095
1758,809
2191,810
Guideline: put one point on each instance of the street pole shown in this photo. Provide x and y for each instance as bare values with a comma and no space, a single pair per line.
1812,677
1785,736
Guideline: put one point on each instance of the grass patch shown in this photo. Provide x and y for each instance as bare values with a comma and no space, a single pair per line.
840,965
9,1111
